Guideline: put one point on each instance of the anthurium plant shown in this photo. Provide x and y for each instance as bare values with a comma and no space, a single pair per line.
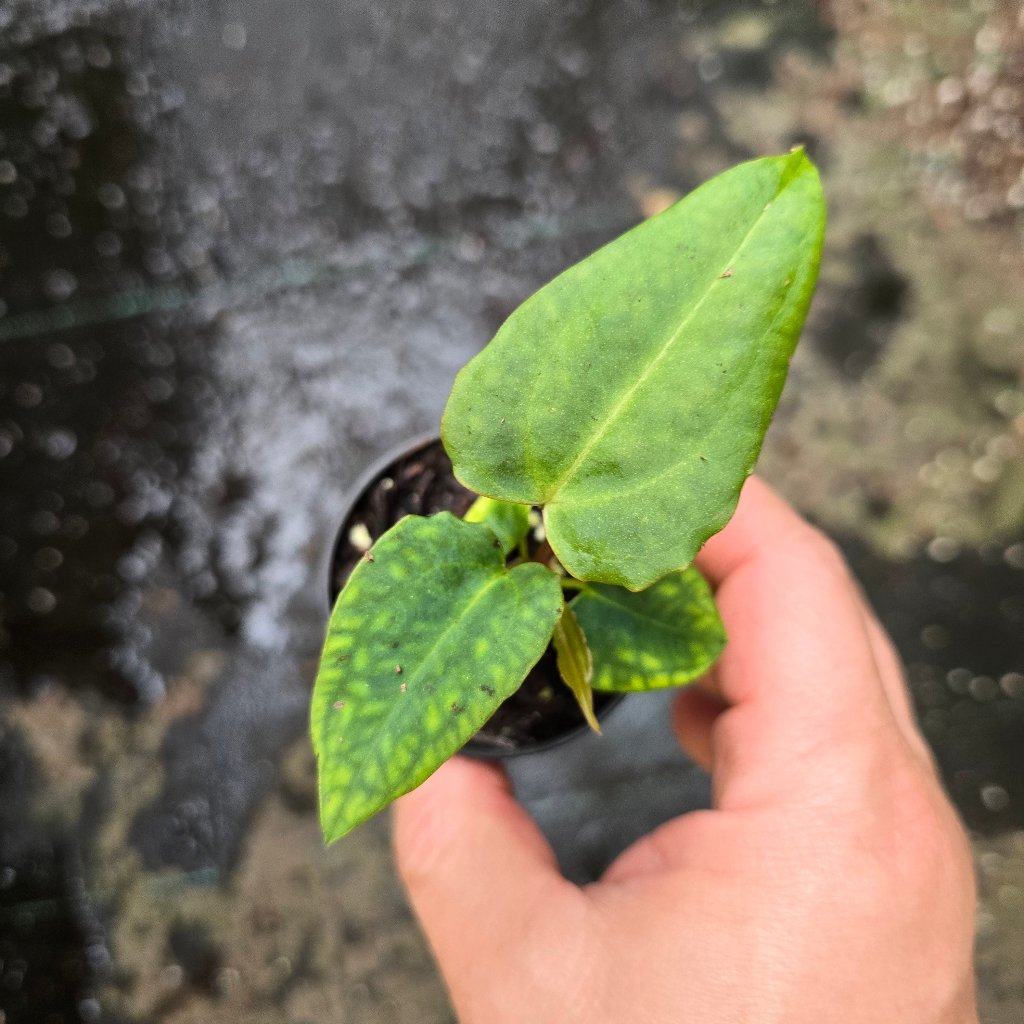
625,404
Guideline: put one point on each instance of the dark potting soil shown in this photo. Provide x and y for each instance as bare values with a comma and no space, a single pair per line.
422,483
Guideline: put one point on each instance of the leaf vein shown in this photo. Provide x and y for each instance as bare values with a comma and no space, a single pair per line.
605,425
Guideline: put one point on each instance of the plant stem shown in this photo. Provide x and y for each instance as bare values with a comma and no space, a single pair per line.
570,583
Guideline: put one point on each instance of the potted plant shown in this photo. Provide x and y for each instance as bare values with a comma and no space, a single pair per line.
607,428
417,479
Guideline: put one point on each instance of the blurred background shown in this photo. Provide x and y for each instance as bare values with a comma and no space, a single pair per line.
244,247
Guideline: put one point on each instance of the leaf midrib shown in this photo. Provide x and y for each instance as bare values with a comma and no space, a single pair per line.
632,612
466,609
733,395
603,428
417,673
368,752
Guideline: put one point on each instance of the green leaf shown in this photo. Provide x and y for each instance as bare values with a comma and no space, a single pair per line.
575,664
508,521
667,635
429,636
630,395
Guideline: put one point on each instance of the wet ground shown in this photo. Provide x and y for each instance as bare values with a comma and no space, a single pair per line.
243,254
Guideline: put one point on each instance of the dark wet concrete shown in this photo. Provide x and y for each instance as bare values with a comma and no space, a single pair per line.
243,254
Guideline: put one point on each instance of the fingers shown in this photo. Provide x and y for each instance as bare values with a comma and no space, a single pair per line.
694,713
476,868
890,669
799,671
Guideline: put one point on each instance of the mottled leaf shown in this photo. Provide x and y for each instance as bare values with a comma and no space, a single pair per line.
630,395
666,635
575,664
508,521
429,636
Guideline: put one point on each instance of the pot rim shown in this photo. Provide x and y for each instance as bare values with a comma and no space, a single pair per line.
473,749
355,492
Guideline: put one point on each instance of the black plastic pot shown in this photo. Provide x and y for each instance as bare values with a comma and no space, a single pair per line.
417,479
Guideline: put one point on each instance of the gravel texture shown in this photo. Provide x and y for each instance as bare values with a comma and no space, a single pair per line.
242,255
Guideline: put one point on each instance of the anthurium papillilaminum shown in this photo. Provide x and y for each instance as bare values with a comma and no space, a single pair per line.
625,402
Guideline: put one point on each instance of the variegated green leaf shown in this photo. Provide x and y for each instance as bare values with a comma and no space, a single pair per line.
666,635
509,521
575,664
429,636
630,395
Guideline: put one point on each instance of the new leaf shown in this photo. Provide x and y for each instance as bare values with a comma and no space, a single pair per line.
575,664
429,636
509,523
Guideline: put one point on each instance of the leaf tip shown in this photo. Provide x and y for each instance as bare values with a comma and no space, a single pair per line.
333,822
795,163
331,835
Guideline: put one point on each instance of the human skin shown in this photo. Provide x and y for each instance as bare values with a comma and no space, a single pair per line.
830,881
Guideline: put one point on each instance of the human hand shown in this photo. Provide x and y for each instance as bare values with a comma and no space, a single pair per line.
831,881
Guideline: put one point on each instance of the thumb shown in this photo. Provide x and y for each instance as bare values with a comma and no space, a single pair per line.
478,872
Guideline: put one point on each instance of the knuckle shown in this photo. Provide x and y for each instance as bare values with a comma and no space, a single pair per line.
823,552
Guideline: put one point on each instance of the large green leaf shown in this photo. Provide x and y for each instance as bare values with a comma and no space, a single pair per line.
429,636
667,635
630,396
